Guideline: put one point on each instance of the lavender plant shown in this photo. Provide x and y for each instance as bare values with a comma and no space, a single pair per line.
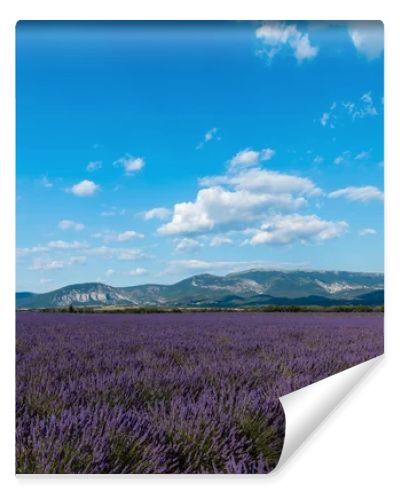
171,393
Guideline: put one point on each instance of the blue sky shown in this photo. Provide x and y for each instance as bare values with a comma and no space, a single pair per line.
148,152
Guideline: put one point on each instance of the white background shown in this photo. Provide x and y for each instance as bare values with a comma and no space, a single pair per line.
355,452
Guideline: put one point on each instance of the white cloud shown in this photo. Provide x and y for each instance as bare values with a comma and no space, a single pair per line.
157,213
44,181
339,160
139,271
267,181
217,207
94,165
220,240
113,211
84,188
364,155
363,193
303,48
47,265
102,251
116,253
130,164
65,245
275,36
109,272
186,245
208,136
266,154
129,235
54,265
21,252
342,158
329,117
249,157
130,254
324,118
252,194
367,232
286,229
363,108
245,158
108,235
367,38
70,224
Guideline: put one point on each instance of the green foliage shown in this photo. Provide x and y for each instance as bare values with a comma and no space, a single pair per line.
267,309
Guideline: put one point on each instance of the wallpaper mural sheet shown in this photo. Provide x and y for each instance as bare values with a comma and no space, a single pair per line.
199,233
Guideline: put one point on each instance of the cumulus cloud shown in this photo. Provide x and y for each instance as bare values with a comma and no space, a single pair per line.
265,181
94,165
363,193
46,265
108,235
52,245
367,232
187,245
248,157
275,36
157,213
240,197
109,272
130,164
21,252
367,38
66,224
40,264
67,245
130,254
216,207
129,235
220,240
139,271
84,188
117,253
286,229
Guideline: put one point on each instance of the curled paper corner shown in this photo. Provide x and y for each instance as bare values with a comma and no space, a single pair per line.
306,408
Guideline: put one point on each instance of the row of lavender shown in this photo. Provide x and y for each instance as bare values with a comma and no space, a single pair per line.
172,393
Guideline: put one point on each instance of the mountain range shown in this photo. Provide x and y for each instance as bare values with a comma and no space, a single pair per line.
254,287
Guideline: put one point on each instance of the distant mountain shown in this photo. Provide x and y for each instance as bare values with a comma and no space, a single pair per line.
254,287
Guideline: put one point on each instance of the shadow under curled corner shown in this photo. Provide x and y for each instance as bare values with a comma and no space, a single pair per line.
306,408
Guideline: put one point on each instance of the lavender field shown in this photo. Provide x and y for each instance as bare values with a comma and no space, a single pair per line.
171,393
